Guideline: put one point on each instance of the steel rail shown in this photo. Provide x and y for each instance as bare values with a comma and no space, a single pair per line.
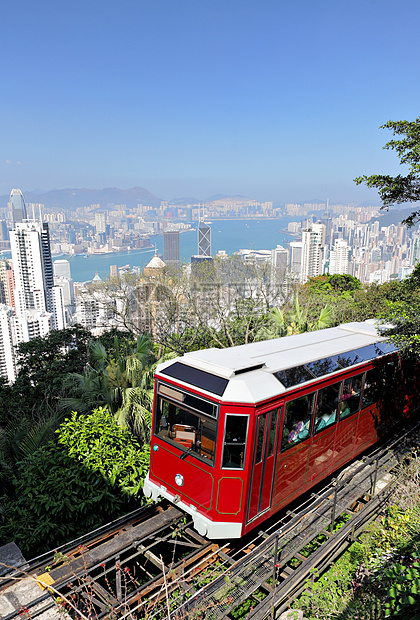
159,565
268,564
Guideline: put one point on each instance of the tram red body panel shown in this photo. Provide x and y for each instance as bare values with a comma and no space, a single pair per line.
199,487
239,433
291,476
345,438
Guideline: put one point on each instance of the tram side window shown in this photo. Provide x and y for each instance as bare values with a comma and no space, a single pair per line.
350,399
327,406
235,441
371,389
297,421
185,429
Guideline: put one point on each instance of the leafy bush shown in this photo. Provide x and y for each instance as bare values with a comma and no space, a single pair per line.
102,446
92,475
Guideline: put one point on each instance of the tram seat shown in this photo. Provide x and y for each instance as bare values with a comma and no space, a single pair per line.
187,443
184,434
207,446
183,427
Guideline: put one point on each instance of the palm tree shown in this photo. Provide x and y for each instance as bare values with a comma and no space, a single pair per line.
137,400
120,380
280,323
19,439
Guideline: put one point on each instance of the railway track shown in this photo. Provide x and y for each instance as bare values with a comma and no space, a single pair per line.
154,565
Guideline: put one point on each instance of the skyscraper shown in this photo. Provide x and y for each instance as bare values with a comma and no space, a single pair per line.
62,268
33,270
296,256
100,223
7,283
29,287
17,207
7,343
204,239
279,257
327,221
339,257
313,240
171,246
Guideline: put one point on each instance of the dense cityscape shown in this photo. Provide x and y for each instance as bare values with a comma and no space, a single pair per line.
38,293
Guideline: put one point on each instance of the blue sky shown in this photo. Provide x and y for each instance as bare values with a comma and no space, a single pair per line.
274,99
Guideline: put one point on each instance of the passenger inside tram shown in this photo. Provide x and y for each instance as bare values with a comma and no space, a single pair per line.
326,406
297,421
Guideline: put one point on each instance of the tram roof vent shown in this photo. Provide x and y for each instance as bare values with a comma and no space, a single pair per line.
249,368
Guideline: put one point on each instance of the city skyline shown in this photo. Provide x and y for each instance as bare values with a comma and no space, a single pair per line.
275,101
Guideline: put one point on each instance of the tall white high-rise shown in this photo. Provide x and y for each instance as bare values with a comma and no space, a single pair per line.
100,223
38,303
339,257
35,293
8,341
280,257
32,264
313,240
296,257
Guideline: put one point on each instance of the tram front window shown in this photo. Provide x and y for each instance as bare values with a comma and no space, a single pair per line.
235,441
185,429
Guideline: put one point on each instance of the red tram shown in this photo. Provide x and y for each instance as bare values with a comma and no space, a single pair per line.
238,433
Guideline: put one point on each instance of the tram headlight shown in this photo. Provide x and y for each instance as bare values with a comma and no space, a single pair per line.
179,480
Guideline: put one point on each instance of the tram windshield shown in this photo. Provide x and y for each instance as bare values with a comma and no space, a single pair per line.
186,424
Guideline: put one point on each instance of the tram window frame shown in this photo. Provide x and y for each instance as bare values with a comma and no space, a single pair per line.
328,417
189,436
351,398
301,429
371,386
272,433
231,445
259,437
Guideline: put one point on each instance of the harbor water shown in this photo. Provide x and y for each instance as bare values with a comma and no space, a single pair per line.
228,235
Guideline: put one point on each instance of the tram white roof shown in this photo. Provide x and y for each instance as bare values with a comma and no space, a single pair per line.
265,358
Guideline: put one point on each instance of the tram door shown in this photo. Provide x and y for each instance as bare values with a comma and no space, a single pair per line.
263,463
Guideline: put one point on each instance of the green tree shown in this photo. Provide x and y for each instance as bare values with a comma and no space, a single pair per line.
401,188
403,313
338,283
43,365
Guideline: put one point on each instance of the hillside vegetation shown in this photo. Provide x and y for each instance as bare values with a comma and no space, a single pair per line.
109,382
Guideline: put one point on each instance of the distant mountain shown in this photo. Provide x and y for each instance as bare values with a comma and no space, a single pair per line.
226,197
189,200
394,216
185,200
106,198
